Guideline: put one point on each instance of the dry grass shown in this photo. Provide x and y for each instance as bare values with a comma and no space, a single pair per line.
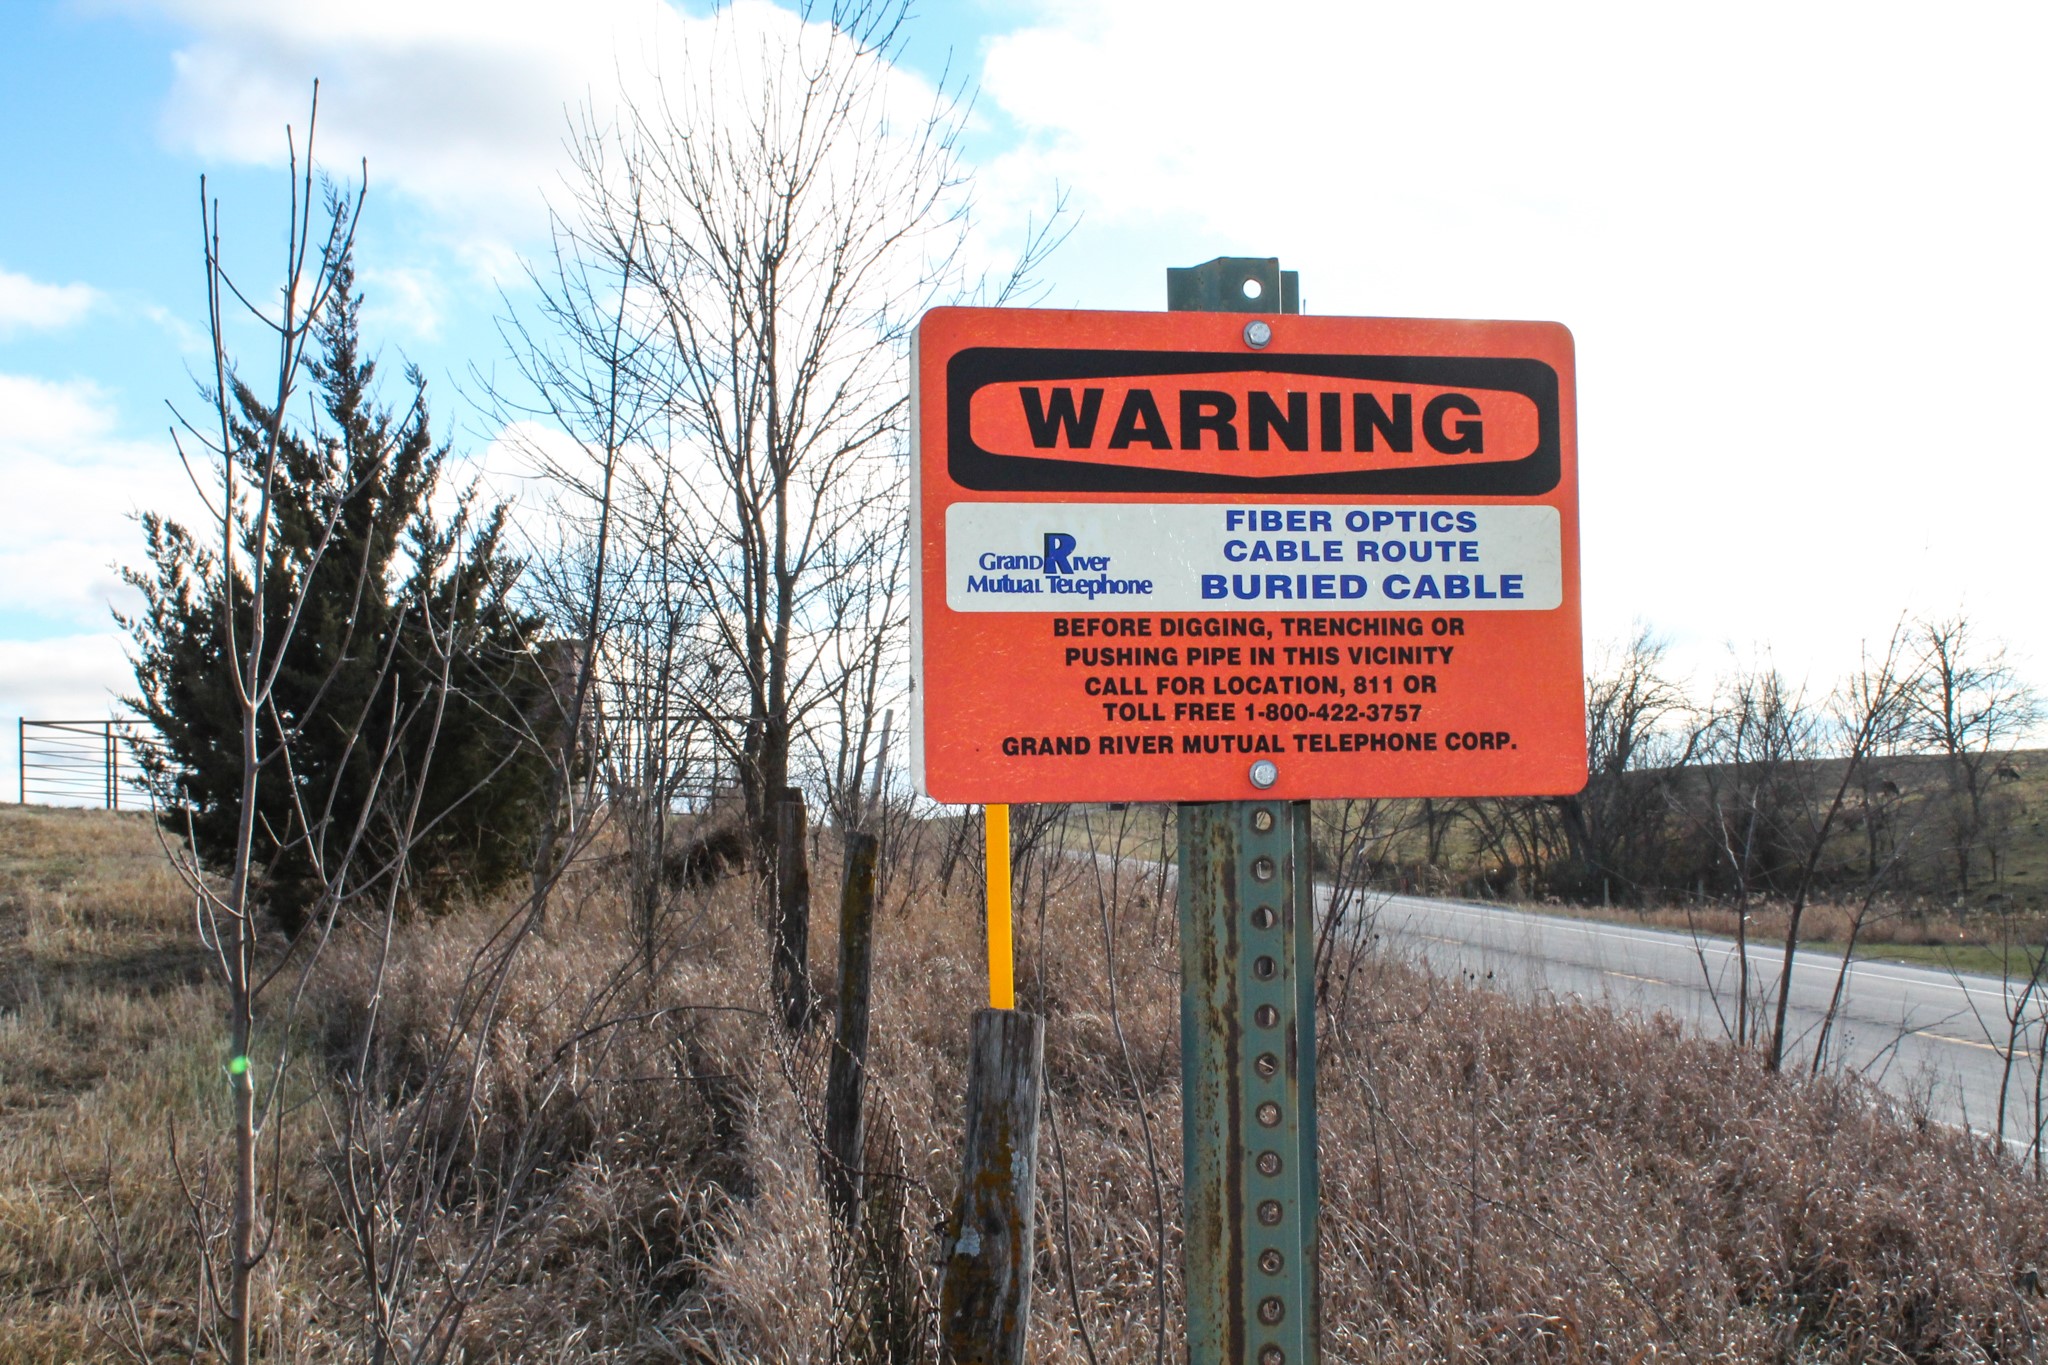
1501,1181
102,1041
1505,1183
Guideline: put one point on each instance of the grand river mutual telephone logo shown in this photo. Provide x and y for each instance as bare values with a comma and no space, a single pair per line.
1062,570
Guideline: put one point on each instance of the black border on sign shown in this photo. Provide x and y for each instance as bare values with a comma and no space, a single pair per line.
986,471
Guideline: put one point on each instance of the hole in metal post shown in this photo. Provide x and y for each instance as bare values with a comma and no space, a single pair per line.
1269,1117
1269,1213
1271,1310
1253,288
1262,821
1263,869
1267,1065
1262,917
1269,1164
1265,1016
1272,1355
1271,1261
1264,968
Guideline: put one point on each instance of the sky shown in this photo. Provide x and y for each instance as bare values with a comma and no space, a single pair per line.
1798,245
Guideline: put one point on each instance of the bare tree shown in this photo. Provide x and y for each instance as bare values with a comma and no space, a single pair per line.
785,205
1641,732
1352,838
1872,710
1437,818
591,418
868,598
585,372
1516,838
1763,737
1866,713
354,825
1972,708
361,856
316,250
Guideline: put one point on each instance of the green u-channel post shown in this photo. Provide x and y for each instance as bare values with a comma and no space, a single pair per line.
1247,1017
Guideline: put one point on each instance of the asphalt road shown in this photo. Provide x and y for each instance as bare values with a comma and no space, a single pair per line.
1926,1034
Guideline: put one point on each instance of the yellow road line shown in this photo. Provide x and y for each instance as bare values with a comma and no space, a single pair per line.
1966,1042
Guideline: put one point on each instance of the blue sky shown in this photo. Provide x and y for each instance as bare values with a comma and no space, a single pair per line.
1798,246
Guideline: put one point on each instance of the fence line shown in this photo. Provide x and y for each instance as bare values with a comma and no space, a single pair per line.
97,763
81,762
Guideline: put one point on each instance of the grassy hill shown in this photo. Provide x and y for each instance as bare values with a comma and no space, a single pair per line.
632,1174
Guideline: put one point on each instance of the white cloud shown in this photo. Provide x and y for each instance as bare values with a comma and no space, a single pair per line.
72,490
188,339
464,108
463,105
404,299
27,304
1795,245
41,414
72,677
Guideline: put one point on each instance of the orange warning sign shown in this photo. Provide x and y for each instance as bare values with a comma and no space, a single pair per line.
1157,563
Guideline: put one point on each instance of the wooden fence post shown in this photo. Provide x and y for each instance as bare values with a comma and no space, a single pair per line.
846,1081
792,969
985,1300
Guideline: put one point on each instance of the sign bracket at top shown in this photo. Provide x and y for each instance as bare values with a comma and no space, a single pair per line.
1233,284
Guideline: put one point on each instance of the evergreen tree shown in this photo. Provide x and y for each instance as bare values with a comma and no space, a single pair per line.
406,687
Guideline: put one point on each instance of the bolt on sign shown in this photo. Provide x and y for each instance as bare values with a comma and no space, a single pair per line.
1187,557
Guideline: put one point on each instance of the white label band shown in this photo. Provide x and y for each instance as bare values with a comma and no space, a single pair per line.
1127,557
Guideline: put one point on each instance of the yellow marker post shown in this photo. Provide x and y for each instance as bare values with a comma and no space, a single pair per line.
1002,980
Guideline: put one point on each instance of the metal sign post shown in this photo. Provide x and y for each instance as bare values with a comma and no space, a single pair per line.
1248,1093
1247,1019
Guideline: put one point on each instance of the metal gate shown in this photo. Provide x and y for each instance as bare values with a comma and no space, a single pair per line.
82,763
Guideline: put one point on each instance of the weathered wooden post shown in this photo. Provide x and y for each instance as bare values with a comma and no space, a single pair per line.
985,1300
792,968
846,1080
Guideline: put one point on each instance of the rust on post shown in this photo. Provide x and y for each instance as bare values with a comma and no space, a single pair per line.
985,1300
1248,1083
846,1081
